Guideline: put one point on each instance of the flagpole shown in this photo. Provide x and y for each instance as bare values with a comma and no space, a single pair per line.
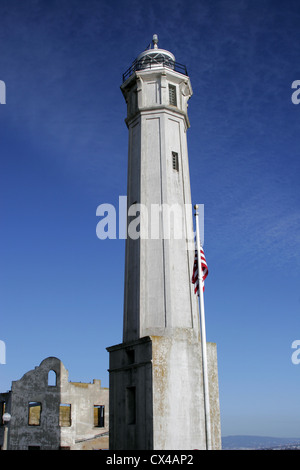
203,335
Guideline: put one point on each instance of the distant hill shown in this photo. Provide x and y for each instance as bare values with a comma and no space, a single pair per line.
259,442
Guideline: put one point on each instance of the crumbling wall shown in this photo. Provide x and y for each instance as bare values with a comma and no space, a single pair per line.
49,412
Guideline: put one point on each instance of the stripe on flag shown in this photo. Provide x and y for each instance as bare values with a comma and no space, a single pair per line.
204,268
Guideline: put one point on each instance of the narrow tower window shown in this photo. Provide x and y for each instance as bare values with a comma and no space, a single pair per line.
130,356
131,405
175,163
172,95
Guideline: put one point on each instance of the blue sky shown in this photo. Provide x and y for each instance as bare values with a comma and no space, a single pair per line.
63,151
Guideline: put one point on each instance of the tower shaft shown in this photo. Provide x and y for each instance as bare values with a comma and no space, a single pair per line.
158,292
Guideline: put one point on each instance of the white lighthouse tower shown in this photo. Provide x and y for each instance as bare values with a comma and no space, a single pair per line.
156,377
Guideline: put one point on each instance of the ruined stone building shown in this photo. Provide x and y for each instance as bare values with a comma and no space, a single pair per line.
49,413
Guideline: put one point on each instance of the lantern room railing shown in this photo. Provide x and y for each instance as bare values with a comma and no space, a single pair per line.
151,63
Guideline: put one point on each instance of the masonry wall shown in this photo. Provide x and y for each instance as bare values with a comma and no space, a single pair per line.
40,421
156,394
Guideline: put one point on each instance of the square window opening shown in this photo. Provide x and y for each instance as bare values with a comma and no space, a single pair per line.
34,413
65,415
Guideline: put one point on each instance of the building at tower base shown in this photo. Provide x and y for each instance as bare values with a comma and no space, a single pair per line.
156,399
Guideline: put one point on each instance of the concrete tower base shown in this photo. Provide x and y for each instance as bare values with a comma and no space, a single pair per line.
156,394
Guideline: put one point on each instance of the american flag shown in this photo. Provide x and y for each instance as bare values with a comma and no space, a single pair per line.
204,268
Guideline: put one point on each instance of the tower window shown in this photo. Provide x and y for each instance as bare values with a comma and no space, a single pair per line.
172,95
130,356
175,163
131,405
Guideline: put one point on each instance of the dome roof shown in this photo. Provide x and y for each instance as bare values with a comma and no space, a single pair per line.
155,57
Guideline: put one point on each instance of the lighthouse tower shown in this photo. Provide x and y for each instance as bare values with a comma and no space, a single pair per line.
156,377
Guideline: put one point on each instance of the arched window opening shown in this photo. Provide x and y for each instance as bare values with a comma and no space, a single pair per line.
52,378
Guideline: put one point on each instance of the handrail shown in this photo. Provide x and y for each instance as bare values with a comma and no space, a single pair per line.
150,63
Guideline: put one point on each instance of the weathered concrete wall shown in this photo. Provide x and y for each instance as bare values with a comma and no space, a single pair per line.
130,389
49,434
178,391
214,401
179,418
166,373
33,387
83,397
